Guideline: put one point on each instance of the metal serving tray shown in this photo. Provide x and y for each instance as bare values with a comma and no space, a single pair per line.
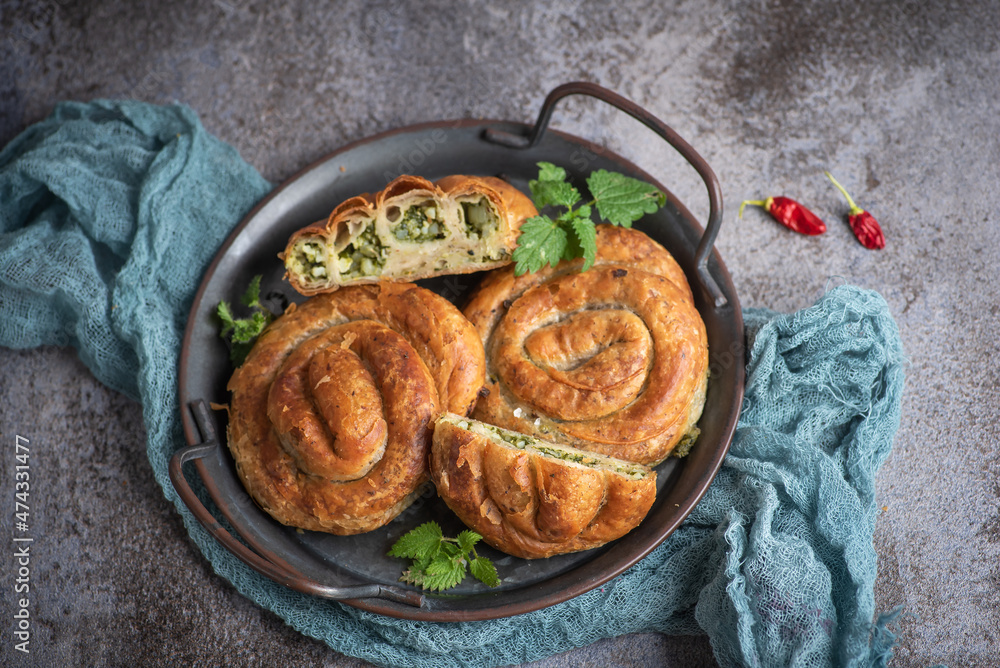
355,569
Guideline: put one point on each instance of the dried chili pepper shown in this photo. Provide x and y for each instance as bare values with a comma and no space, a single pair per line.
790,213
864,225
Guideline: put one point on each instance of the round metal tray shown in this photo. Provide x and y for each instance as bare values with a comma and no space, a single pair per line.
355,569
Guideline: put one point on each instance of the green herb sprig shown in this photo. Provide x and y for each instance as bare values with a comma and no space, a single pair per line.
440,563
619,200
242,332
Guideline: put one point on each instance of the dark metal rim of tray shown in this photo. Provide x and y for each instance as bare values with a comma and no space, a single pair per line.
355,569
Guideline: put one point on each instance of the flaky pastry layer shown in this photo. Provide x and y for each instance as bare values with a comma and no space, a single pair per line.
331,413
410,230
613,360
531,498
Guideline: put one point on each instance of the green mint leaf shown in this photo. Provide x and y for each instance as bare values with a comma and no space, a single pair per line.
420,543
542,241
483,570
467,540
251,297
444,573
584,242
622,200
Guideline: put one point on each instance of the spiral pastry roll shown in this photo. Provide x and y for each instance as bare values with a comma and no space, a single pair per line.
331,414
613,360
531,498
412,229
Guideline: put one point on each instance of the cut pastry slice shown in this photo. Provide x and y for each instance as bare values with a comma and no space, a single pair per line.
531,498
412,229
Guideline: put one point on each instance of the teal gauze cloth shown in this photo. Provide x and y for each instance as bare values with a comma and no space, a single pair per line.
111,211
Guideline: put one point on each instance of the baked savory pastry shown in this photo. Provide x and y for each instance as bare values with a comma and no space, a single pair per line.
412,229
331,414
530,498
612,360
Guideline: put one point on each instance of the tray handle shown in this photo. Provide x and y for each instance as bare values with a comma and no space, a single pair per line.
208,446
704,250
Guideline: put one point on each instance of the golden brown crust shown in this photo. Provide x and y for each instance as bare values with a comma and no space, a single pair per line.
449,243
331,413
612,360
530,504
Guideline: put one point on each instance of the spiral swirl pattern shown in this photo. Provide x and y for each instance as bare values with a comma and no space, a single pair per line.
613,360
332,411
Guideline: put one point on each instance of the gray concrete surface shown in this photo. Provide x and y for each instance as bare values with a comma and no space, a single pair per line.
899,100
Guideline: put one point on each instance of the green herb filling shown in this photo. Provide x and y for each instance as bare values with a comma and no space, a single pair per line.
480,220
364,256
530,443
421,223
308,261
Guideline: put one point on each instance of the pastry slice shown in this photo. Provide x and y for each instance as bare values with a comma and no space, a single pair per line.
531,498
410,230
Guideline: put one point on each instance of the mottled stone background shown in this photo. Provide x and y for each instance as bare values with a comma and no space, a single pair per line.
900,99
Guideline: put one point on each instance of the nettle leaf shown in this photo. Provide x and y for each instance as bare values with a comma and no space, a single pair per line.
548,171
225,314
542,241
467,540
246,330
444,574
552,189
242,332
622,200
422,542
438,562
251,297
619,199
584,242
483,570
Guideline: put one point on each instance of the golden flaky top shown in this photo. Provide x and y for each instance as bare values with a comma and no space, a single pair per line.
332,411
612,360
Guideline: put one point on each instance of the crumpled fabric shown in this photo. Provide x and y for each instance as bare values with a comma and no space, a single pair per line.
111,211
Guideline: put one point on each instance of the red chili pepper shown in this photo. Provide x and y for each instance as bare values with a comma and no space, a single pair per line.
864,225
791,214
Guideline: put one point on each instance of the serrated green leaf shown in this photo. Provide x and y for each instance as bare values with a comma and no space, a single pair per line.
622,200
444,573
414,576
542,241
467,540
245,330
251,297
483,570
242,332
584,242
550,172
551,187
555,193
420,543
225,314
